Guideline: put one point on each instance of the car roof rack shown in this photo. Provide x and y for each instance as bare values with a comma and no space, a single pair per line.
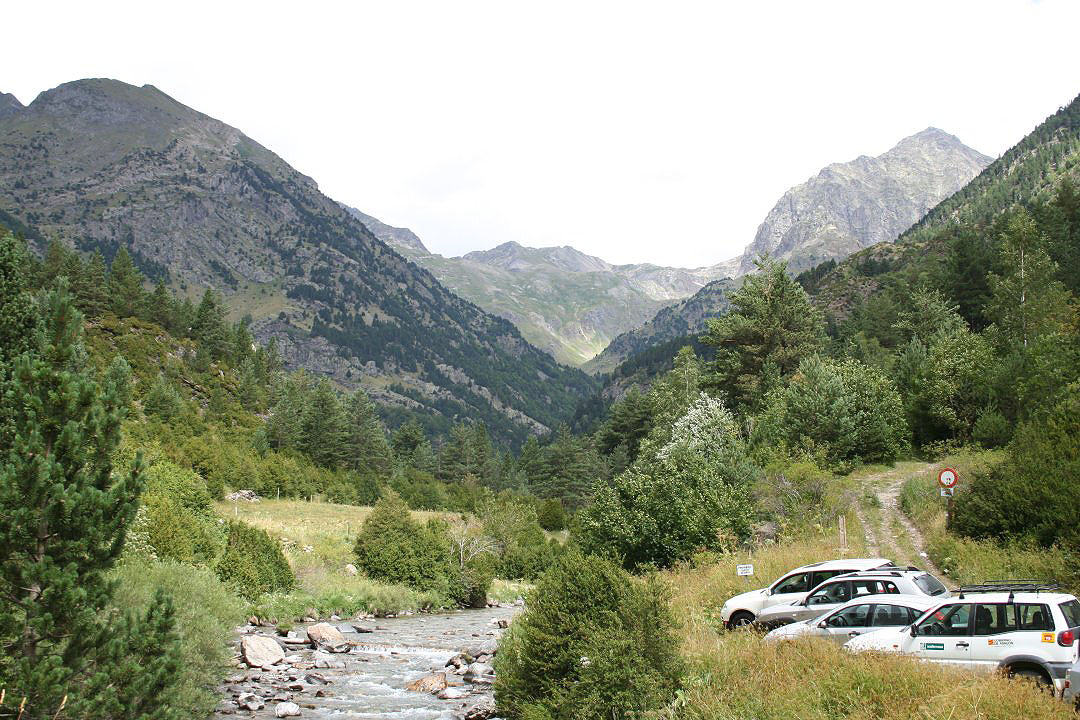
1010,586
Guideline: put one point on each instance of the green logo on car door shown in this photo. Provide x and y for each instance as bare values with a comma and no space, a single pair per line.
933,646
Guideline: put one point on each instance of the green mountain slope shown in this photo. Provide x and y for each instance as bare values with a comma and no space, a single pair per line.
102,165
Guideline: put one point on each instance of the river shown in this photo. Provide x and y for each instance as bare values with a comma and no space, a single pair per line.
376,670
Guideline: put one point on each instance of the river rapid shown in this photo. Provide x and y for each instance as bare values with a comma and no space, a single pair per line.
369,680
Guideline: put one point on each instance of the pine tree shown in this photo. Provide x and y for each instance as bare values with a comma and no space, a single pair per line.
412,448
161,307
455,456
1027,298
18,317
324,428
125,285
368,449
91,288
209,327
771,327
63,518
284,427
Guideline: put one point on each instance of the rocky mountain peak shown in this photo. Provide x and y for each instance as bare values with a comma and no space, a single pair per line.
9,105
852,205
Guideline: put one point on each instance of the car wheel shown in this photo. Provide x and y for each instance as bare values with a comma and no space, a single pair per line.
1031,676
740,619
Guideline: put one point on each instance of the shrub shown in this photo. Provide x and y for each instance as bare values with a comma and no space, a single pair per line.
523,550
177,517
1034,489
552,515
206,613
253,563
592,643
162,400
991,430
394,548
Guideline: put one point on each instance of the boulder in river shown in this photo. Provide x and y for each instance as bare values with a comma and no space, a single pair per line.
453,693
286,709
260,651
430,684
481,673
327,637
483,710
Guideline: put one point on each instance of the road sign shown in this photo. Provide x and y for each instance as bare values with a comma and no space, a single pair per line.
947,492
948,478
744,570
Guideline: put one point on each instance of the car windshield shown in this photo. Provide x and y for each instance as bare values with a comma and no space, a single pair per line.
1071,611
930,584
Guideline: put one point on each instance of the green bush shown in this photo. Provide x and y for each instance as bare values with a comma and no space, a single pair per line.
592,643
991,429
1033,495
394,548
177,520
552,516
162,400
206,613
253,563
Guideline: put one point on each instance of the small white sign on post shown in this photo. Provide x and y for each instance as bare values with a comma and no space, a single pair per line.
744,570
948,492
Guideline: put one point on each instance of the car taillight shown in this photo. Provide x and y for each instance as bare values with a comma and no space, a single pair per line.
1066,638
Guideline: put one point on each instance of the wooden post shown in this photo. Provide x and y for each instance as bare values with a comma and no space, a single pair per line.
949,511
843,534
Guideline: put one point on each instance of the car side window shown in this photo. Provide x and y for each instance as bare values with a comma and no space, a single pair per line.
797,583
991,619
1034,617
891,616
949,620
866,587
832,593
821,576
854,616
891,588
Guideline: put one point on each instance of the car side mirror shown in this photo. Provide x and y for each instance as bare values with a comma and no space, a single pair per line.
823,624
913,631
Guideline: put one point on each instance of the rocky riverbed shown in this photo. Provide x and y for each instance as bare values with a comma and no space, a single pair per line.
419,667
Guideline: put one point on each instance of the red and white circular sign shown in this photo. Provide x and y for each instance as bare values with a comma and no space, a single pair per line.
948,478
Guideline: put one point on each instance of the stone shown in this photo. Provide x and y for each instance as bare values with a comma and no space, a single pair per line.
286,709
260,651
453,693
345,628
315,679
350,569
480,673
250,701
429,684
327,637
483,710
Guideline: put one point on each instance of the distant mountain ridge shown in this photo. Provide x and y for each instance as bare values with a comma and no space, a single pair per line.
563,300
102,164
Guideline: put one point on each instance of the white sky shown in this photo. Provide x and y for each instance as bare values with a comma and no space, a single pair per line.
640,132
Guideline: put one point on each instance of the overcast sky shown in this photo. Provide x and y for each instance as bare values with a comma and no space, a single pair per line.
640,132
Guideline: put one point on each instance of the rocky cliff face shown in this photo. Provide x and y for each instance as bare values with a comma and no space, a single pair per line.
102,164
850,206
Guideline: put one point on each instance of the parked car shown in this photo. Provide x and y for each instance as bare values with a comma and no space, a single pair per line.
1022,628
858,617
841,589
744,608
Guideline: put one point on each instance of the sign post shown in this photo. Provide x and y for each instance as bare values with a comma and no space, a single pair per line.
948,479
744,571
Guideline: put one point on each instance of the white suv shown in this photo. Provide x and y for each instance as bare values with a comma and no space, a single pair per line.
743,609
841,589
858,617
1026,629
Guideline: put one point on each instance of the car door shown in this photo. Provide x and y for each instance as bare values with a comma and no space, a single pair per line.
993,635
1035,629
788,590
892,616
826,597
846,623
944,636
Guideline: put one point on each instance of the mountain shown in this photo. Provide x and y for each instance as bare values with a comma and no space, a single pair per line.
850,206
9,105
101,165
845,207
1026,174
563,301
684,318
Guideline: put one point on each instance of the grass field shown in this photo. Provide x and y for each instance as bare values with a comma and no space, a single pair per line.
319,538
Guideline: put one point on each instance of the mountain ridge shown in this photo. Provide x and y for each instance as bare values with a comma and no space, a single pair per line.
101,164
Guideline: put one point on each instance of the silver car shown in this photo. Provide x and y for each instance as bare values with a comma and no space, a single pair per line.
858,617
841,589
